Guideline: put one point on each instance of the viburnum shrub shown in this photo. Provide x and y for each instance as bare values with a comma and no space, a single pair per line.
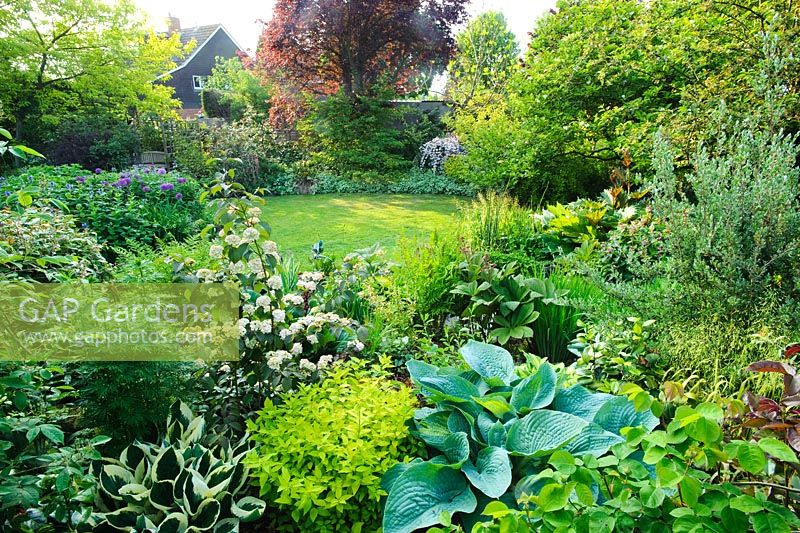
286,336
435,152
320,455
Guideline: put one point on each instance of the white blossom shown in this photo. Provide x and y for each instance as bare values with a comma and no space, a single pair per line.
215,252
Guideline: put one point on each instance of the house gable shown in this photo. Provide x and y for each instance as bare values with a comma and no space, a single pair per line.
216,42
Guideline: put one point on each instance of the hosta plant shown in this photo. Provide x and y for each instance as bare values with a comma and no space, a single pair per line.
492,433
190,481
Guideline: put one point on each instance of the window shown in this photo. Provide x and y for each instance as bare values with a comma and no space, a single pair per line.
197,82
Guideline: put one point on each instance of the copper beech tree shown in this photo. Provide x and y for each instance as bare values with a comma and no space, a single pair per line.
323,46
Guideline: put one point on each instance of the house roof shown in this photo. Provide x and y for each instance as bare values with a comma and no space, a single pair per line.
202,35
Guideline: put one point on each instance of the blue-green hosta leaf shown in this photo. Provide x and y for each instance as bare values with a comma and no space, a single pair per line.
497,435
485,422
422,493
391,475
248,509
593,440
536,391
453,388
419,369
493,363
543,431
580,402
113,478
162,495
174,523
433,429
168,465
491,473
530,486
495,404
458,422
206,515
456,448
619,412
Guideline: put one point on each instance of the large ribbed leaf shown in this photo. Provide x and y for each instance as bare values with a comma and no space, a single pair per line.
593,440
536,391
456,448
495,404
113,478
543,431
393,474
497,435
248,509
493,363
580,402
433,429
422,493
620,412
420,369
453,388
491,473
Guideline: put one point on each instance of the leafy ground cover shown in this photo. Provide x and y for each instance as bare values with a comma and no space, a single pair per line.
348,222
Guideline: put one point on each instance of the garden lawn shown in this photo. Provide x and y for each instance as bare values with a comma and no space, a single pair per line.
347,222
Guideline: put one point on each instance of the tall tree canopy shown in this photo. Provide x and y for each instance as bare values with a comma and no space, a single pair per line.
60,58
487,56
324,46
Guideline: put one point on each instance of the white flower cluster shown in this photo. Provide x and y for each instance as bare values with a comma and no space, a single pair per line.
307,281
293,299
435,152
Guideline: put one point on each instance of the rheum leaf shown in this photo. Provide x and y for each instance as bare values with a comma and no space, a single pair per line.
422,493
491,473
493,363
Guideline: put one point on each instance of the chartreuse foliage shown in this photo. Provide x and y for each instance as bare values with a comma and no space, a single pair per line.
320,455
178,485
495,434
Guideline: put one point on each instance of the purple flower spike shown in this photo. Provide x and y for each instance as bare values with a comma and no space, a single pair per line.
181,180
80,179
98,170
145,189
104,182
179,196
161,171
166,186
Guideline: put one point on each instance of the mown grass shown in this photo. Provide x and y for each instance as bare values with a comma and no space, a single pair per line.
347,222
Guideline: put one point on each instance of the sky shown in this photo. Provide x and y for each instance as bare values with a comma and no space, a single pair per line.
241,17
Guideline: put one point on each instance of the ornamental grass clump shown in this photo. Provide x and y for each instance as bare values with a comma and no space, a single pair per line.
320,455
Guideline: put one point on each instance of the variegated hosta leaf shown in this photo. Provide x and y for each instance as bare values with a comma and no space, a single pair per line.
168,465
134,493
174,523
161,495
114,477
206,515
248,509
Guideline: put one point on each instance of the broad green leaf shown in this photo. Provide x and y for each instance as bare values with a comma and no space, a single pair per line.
491,473
456,448
167,465
422,493
495,404
691,489
543,431
751,458
554,496
53,433
536,391
493,363
420,369
162,495
746,504
391,475
777,449
765,522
